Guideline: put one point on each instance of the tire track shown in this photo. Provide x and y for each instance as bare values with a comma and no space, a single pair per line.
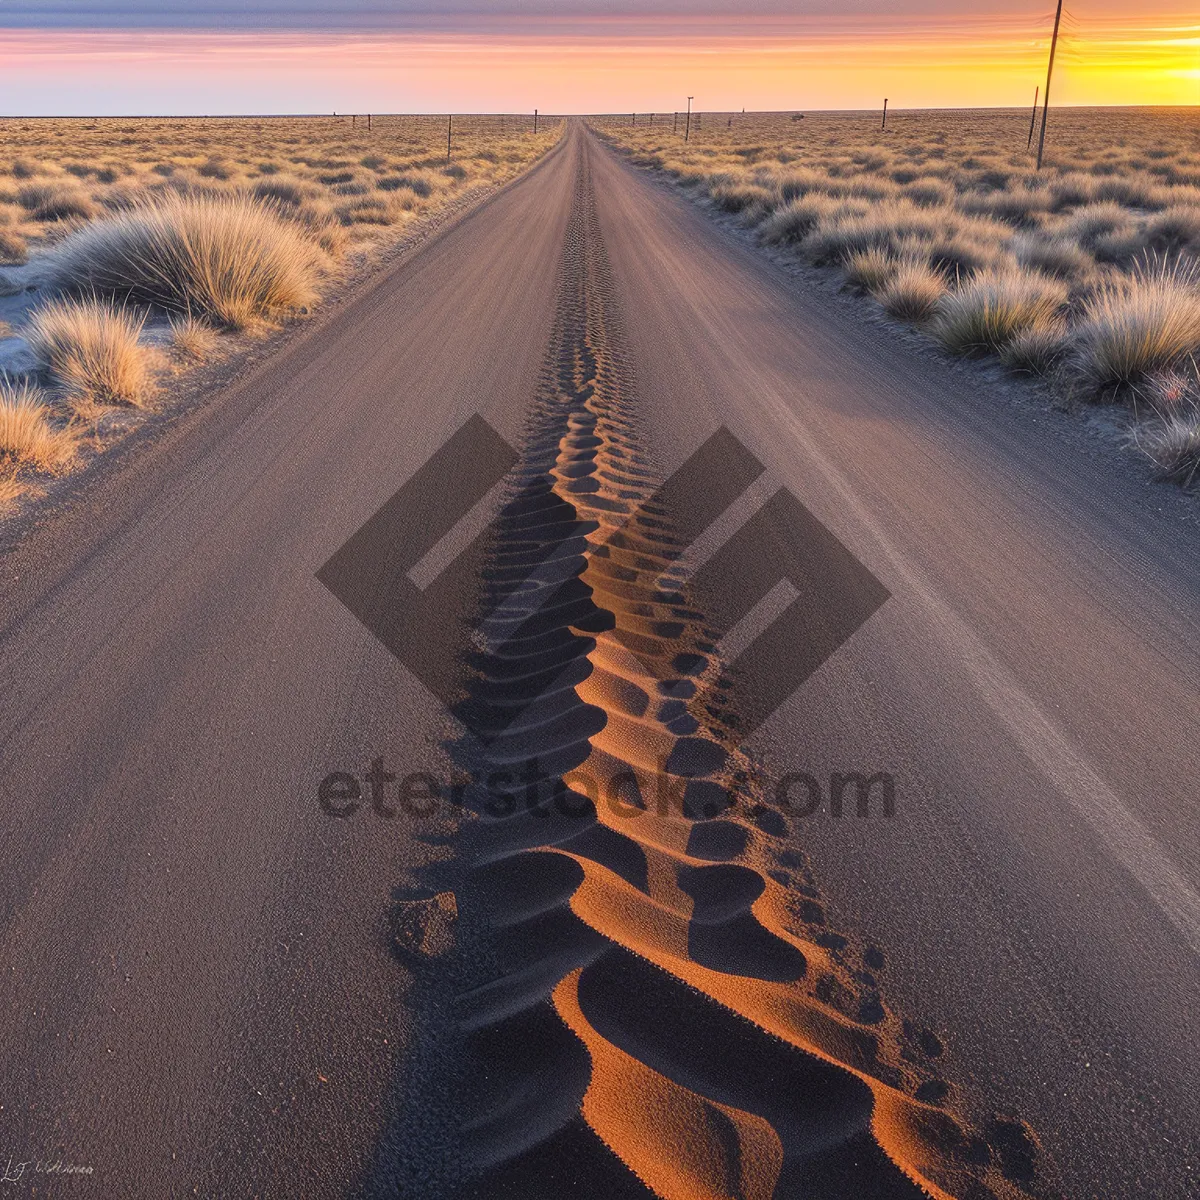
645,1011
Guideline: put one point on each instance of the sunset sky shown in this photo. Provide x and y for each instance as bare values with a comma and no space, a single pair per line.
168,56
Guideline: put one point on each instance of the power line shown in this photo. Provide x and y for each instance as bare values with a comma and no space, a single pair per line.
1049,76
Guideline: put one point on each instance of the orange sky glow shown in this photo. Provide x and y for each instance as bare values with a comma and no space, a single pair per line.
628,64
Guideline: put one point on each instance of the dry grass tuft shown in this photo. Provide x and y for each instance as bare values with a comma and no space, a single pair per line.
1170,392
738,197
420,183
1134,325
11,489
797,218
56,202
1091,223
93,351
1058,256
913,291
228,259
27,436
1038,349
1173,444
193,338
991,308
286,190
870,269
14,249
370,210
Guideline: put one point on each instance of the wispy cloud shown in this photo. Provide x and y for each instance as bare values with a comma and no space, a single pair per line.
403,15
589,61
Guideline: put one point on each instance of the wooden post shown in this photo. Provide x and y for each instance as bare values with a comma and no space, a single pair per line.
1049,74
687,128
368,122
535,120
1033,116
675,122
884,125
449,134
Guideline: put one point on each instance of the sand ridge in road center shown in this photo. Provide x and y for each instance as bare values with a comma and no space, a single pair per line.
646,1013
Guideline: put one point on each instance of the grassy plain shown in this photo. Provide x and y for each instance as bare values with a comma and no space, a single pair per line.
132,249
1084,272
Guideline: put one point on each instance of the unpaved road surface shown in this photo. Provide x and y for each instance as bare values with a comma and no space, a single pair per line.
992,988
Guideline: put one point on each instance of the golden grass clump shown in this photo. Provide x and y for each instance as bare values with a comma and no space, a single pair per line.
1091,223
795,219
14,249
738,197
1144,322
913,291
870,269
56,202
11,489
992,307
1058,256
286,190
28,437
419,183
93,351
228,259
370,210
1038,349
193,338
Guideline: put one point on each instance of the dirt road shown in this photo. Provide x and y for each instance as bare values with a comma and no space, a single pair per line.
200,990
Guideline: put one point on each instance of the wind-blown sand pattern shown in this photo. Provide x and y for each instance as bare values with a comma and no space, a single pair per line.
642,1008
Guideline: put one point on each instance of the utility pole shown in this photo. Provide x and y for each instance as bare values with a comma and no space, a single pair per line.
687,129
1049,73
449,133
1033,116
884,125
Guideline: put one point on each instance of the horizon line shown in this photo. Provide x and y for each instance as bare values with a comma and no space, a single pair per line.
549,116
